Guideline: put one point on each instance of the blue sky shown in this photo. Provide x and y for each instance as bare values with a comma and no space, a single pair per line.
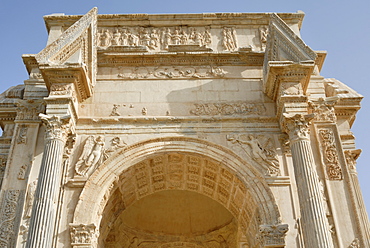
342,28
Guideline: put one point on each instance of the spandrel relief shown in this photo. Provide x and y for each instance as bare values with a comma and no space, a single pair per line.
261,149
95,153
155,38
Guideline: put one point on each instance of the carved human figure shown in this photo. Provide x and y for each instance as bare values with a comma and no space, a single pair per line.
116,143
183,37
133,40
263,37
176,38
106,38
207,36
115,110
29,198
167,38
144,37
198,39
116,41
125,37
91,155
154,39
229,40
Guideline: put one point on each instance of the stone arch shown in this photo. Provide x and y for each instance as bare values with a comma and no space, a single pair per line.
211,170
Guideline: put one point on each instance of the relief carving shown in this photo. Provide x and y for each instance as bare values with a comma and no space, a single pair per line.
7,216
28,210
22,172
291,89
58,89
115,110
355,243
29,109
82,234
56,127
263,37
92,155
351,157
262,152
271,235
297,126
3,159
152,38
173,72
330,154
22,134
232,108
323,109
229,39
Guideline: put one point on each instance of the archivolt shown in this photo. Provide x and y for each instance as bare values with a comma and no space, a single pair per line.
204,167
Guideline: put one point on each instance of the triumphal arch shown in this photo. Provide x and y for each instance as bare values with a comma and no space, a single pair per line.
207,130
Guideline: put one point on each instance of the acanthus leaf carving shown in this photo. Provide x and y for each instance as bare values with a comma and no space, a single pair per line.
83,234
29,109
273,235
351,157
330,154
56,127
323,109
297,126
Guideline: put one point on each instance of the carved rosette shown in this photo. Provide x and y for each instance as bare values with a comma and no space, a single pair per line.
56,127
297,126
331,161
323,110
273,235
30,109
82,235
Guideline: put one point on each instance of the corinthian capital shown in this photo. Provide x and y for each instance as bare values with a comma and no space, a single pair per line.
273,235
56,127
297,126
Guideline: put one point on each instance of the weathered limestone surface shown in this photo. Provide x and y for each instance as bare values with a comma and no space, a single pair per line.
206,130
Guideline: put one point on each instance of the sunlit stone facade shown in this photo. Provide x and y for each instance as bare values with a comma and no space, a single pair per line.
188,130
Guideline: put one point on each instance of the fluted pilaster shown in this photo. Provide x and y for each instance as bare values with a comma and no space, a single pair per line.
43,215
315,225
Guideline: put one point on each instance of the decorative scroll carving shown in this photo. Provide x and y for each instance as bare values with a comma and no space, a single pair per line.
333,169
355,243
56,127
232,108
154,38
92,155
273,235
262,152
82,234
22,134
351,157
29,109
7,216
323,109
173,72
27,210
229,39
297,126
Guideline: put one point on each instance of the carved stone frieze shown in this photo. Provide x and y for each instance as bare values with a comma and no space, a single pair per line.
229,39
153,38
230,108
261,149
273,235
30,109
172,72
56,127
61,89
323,109
7,217
330,154
82,235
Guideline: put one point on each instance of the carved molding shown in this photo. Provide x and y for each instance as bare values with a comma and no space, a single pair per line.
330,154
273,235
230,108
56,127
7,217
351,158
